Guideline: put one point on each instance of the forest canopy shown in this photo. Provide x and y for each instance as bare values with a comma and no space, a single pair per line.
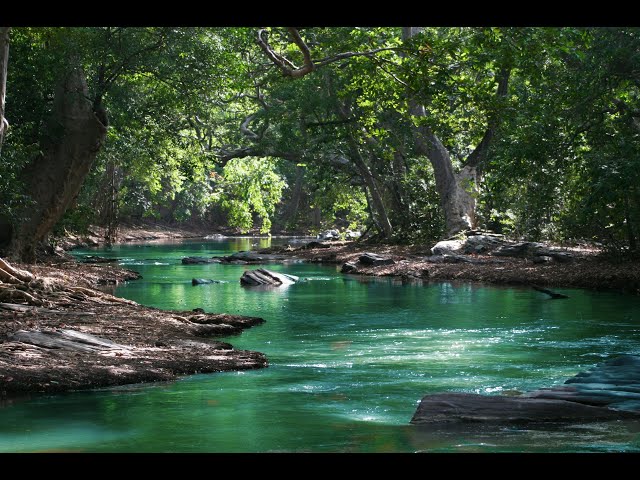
410,134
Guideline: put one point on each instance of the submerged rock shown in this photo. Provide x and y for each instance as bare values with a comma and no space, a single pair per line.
203,281
198,260
470,407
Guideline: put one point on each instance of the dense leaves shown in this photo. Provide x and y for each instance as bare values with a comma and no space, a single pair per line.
311,128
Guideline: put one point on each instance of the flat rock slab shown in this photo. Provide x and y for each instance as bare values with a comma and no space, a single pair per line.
614,383
469,407
610,390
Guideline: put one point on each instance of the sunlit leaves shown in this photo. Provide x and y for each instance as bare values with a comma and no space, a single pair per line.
247,189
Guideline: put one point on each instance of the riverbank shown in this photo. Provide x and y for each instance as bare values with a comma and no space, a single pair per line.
584,267
154,345
70,335
588,267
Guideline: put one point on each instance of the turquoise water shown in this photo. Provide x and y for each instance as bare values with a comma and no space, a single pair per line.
350,358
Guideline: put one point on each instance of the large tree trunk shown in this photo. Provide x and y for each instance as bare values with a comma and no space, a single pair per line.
457,202
72,138
4,62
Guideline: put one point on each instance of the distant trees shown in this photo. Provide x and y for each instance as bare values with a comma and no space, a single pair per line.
410,133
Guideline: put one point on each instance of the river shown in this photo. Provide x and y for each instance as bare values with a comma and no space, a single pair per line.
350,358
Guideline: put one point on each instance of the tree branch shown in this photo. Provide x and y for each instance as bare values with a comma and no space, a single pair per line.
290,70
244,128
479,154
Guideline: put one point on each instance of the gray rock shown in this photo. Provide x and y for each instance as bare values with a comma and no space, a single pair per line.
482,243
349,267
468,407
522,249
611,390
448,246
328,235
374,260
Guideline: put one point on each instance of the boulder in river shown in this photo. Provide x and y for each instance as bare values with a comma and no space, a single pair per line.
262,276
609,391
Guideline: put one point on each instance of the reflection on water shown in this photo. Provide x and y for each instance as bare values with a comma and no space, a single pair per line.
350,358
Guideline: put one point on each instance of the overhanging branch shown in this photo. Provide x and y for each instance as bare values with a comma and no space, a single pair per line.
290,69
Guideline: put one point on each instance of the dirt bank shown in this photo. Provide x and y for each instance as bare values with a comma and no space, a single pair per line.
143,344
587,268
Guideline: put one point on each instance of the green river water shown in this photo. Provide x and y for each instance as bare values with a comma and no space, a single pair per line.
350,358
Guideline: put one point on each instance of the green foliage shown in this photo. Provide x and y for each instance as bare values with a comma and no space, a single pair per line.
249,188
563,164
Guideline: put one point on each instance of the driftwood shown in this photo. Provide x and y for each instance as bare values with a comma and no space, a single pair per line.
66,339
17,307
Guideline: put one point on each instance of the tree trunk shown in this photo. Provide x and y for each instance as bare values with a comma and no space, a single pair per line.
381,217
4,62
458,205
291,211
72,138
